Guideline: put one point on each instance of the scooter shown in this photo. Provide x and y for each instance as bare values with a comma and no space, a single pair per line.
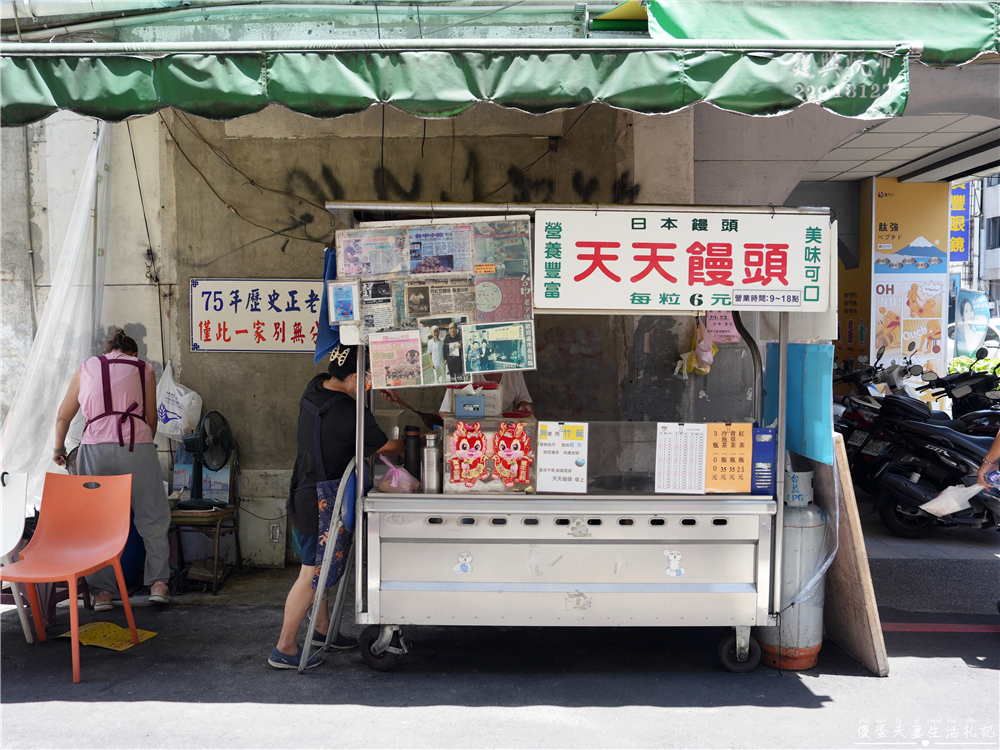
931,456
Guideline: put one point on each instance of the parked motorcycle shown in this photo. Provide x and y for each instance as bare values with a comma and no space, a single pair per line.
928,457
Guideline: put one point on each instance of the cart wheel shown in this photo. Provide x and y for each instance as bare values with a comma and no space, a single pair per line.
727,654
384,662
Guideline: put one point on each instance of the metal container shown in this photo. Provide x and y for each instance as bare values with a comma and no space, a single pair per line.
411,450
431,466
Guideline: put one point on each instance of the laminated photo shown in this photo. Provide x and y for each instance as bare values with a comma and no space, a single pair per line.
495,347
395,359
442,349
342,301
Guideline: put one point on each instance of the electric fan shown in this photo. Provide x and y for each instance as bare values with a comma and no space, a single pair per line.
212,446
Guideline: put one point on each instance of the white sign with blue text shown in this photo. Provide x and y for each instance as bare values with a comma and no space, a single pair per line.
255,315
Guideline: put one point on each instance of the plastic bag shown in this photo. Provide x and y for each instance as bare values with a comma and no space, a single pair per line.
952,499
397,479
699,359
178,408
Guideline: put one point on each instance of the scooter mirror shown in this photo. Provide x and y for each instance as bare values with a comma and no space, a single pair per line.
879,353
993,395
983,353
962,390
929,377
915,370
863,359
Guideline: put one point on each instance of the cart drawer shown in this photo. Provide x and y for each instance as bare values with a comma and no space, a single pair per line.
585,607
670,566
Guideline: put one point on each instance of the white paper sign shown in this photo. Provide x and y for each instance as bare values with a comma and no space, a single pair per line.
666,261
562,457
255,315
680,457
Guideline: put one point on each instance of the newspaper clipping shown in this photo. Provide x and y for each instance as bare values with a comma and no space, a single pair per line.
376,306
495,347
395,359
440,297
372,252
440,248
502,254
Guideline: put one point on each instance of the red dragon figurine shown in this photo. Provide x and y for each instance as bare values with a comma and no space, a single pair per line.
510,454
468,448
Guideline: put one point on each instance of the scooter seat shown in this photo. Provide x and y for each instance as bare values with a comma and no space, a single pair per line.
978,445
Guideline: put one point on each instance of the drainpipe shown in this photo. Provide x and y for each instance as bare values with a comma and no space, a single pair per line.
31,244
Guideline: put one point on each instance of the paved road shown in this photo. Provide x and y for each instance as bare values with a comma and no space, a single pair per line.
203,682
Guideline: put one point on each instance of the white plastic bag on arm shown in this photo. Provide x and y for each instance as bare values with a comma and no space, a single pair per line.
178,408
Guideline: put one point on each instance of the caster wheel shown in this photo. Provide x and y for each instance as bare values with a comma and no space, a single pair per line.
384,662
727,654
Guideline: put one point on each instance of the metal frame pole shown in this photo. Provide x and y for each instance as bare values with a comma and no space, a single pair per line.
360,546
779,464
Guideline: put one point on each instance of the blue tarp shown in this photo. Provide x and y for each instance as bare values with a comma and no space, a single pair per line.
808,400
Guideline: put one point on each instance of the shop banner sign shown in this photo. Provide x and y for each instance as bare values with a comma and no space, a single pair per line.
668,261
255,315
958,234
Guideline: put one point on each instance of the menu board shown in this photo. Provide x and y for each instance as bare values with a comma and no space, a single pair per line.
562,457
680,457
729,457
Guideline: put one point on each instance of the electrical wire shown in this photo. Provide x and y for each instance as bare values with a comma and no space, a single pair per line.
224,201
151,266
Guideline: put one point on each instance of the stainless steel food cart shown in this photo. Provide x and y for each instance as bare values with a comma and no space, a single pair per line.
600,559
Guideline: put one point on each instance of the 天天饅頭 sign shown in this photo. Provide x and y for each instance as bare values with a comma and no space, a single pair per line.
665,261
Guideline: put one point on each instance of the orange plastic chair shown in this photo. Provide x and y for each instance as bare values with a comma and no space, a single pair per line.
82,526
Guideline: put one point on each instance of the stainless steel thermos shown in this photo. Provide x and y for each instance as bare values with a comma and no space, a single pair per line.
431,484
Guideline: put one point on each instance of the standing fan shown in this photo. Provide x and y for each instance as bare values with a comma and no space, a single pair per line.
212,446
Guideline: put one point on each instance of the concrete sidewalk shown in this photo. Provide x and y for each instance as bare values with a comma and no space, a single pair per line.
203,680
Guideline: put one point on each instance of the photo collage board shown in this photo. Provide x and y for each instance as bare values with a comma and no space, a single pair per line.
437,302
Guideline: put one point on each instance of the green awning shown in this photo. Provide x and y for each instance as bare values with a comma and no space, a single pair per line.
951,32
114,81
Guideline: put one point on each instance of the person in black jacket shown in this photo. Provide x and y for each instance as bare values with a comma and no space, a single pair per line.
330,399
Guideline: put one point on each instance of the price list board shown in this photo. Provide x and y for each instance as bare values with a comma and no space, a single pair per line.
680,457
729,457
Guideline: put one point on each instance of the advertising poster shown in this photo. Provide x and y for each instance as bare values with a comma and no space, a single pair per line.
661,262
495,347
395,359
372,252
562,457
440,248
342,301
958,230
255,315
909,285
972,317
502,251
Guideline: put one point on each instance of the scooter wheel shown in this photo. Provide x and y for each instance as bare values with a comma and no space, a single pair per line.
905,521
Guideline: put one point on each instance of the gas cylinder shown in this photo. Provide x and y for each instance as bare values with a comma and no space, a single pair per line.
795,644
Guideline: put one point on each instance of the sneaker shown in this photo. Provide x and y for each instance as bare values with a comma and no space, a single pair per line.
159,593
342,642
102,602
279,660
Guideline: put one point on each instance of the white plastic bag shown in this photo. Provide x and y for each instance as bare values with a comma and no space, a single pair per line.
178,409
952,499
